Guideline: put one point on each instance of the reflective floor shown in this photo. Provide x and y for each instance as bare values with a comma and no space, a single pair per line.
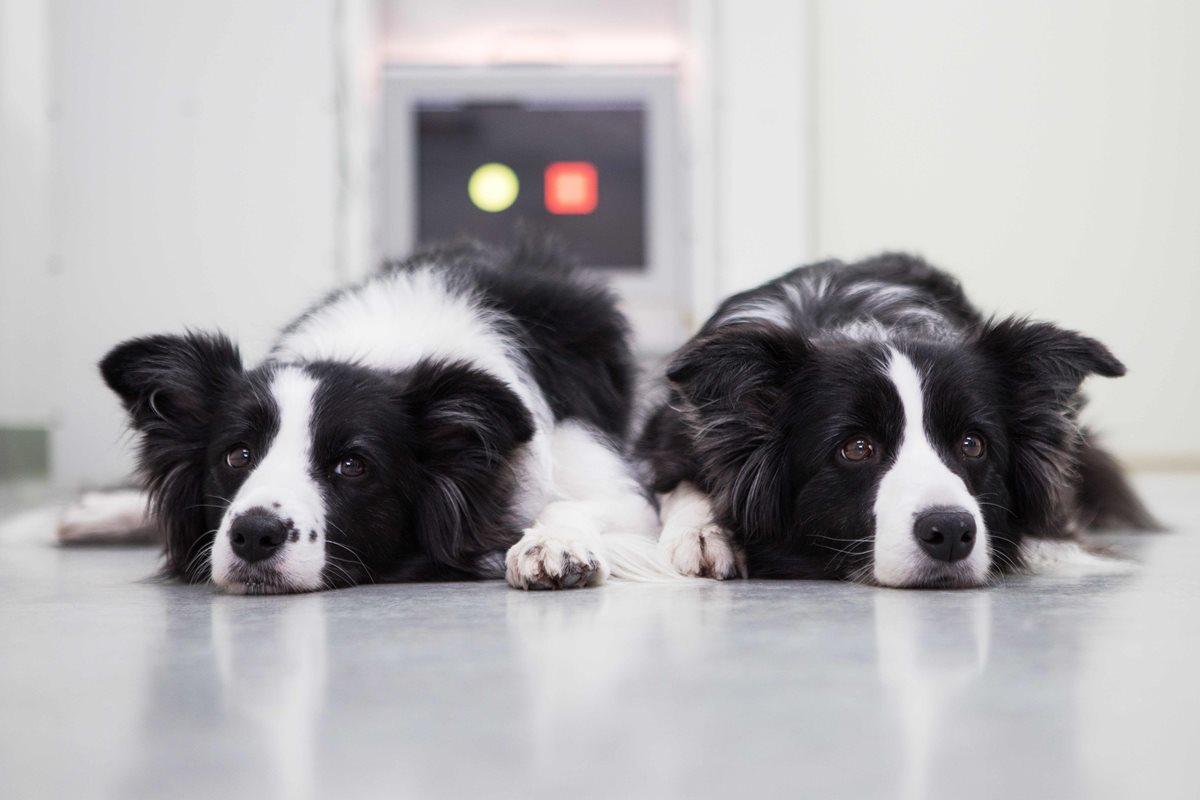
111,686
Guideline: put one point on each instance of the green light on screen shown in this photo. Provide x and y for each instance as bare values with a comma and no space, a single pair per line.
493,187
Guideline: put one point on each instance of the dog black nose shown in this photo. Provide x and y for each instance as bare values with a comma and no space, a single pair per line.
947,534
256,536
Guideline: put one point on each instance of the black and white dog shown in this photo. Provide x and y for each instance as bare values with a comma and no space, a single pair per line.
865,422
460,406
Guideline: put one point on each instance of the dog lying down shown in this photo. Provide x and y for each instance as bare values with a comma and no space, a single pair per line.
865,422
461,414
464,414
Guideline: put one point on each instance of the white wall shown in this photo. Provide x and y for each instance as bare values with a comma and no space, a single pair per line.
482,32
173,164
747,92
1047,152
194,185
25,328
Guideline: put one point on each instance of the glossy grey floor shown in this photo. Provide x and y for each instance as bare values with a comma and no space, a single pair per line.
111,686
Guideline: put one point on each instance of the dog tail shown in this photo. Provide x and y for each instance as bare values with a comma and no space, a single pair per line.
1104,495
632,557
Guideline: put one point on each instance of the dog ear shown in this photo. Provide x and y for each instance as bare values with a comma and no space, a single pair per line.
731,384
1051,358
461,408
468,423
170,386
171,380
1041,368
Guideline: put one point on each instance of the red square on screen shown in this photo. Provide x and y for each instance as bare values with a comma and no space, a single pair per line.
571,187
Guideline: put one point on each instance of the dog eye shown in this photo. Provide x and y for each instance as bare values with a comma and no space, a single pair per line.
973,446
858,448
350,467
239,456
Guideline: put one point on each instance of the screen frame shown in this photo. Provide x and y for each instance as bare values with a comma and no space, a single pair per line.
655,297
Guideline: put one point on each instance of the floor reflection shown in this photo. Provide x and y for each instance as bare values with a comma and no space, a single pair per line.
234,692
1137,691
585,656
273,677
1038,687
931,647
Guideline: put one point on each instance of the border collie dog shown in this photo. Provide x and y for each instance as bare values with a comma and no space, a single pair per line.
458,406
864,422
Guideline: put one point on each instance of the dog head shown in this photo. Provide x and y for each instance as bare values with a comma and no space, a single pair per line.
902,462
292,478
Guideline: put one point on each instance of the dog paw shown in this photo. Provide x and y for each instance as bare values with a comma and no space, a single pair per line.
704,552
116,517
548,561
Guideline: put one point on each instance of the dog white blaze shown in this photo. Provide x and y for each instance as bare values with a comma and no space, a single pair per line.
282,484
918,480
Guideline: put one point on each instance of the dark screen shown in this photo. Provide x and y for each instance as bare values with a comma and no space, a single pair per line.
453,140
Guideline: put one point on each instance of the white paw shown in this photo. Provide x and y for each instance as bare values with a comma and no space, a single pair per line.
120,517
703,552
553,560
1069,559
